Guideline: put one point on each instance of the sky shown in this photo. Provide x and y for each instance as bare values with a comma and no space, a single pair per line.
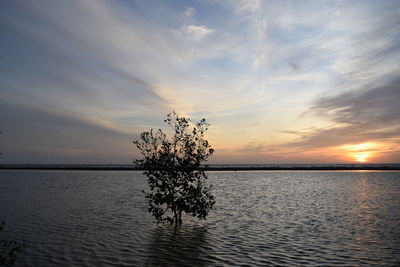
279,81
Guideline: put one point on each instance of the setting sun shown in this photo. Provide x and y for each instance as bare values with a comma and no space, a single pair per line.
359,152
361,157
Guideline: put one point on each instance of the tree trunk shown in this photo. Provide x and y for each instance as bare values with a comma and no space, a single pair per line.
180,217
175,217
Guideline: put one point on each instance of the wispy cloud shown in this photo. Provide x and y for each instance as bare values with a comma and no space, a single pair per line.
189,12
368,114
194,32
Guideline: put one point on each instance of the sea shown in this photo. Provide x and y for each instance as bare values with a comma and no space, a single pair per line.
261,218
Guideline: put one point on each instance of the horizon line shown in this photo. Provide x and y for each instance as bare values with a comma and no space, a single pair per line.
211,167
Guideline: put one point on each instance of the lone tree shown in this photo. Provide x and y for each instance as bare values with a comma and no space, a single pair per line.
176,182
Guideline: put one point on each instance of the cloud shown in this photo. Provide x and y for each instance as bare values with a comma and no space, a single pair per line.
123,65
247,7
189,12
376,106
194,32
49,135
374,49
369,114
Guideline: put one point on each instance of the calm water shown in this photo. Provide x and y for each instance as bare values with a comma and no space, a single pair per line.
89,218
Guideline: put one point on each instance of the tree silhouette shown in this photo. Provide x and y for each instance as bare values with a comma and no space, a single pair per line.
177,184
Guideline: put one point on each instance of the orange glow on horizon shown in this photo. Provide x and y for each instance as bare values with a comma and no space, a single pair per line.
359,152
361,157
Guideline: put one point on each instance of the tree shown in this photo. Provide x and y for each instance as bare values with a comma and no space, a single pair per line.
176,181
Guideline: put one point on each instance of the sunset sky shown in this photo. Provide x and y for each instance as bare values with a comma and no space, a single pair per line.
280,81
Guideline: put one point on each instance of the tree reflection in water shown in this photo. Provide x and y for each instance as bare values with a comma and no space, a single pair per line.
183,245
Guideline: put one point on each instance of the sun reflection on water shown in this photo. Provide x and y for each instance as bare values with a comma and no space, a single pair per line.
365,212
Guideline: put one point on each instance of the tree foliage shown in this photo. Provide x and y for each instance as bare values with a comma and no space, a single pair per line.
177,184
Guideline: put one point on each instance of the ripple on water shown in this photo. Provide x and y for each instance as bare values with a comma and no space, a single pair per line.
260,219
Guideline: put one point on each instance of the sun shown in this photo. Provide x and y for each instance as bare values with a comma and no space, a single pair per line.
359,152
361,157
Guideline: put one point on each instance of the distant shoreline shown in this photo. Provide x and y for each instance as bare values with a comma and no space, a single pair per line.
216,167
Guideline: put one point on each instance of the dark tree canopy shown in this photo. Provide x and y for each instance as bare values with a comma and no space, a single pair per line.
177,185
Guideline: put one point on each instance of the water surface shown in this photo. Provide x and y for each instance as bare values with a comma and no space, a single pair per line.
287,218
